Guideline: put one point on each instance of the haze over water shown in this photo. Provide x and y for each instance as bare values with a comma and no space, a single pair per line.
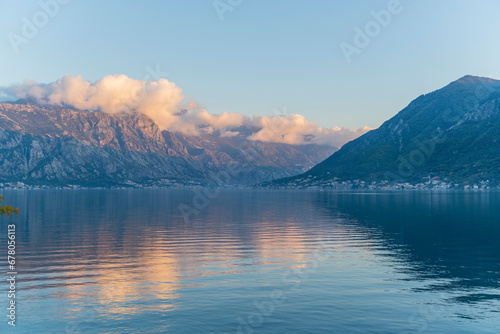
126,261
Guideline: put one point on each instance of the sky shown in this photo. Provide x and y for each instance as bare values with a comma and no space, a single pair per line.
254,57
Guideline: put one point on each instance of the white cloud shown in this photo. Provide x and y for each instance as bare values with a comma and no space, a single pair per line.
165,104
296,129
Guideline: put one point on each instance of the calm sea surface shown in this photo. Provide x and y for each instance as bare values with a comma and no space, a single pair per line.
127,261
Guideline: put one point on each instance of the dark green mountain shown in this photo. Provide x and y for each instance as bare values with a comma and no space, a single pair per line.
452,133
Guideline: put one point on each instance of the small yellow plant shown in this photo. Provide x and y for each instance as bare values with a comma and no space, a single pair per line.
7,210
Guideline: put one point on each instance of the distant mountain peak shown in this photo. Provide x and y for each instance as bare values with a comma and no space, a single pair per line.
28,100
474,79
31,101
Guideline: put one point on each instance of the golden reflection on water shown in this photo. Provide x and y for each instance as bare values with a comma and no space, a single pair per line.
157,267
124,264
119,282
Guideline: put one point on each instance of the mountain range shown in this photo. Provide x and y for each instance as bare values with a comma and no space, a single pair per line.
60,145
451,134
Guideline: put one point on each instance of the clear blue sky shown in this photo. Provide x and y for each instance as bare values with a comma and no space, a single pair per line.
264,54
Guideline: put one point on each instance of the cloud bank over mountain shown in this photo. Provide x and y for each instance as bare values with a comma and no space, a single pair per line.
164,102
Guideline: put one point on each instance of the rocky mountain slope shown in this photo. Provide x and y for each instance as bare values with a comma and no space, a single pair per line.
57,146
451,134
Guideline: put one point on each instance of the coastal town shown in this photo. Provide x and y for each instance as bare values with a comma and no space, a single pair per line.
429,183
307,183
